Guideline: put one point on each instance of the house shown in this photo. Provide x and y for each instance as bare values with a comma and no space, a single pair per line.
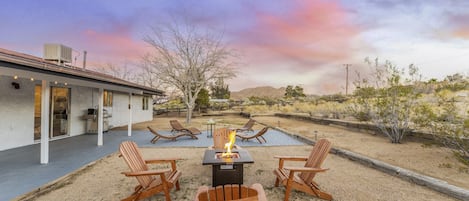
43,100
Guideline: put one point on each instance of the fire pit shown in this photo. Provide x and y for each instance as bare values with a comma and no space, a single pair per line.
227,169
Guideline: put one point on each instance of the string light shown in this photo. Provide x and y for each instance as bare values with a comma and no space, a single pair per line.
55,82
15,77
32,79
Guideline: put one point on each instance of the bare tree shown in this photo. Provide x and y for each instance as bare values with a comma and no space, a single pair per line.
121,72
188,59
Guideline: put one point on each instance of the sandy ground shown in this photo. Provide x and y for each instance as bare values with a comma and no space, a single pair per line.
346,180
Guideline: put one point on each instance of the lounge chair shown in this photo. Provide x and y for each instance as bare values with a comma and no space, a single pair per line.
220,138
169,137
303,181
232,192
258,135
247,127
150,181
176,126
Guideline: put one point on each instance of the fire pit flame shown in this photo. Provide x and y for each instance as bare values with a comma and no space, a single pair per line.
227,156
229,145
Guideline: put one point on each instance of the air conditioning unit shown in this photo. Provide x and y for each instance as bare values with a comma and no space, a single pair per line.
58,52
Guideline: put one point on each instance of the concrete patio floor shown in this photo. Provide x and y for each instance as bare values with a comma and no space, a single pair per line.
21,171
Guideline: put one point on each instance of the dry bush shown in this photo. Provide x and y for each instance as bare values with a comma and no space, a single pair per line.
257,109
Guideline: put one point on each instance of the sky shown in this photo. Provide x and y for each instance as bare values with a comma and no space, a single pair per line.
280,42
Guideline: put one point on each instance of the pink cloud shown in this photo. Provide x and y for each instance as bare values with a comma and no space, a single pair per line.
462,32
112,43
314,32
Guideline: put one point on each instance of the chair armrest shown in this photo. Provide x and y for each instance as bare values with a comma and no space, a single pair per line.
305,169
292,158
260,192
282,159
145,173
202,189
164,160
161,160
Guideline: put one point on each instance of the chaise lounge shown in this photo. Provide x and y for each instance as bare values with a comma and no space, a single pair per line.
258,135
176,126
169,137
247,127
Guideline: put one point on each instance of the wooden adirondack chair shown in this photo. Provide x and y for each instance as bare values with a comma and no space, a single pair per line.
220,138
150,181
233,192
248,126
304,180
258,135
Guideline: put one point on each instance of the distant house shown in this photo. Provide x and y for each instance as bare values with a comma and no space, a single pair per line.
42,100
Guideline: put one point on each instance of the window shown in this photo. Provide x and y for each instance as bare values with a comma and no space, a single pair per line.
145,103
107,99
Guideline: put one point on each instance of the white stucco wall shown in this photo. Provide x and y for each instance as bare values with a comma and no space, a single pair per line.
139,115
120,112
81,99
16,113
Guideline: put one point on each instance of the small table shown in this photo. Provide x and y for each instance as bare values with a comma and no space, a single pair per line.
210,128
227,170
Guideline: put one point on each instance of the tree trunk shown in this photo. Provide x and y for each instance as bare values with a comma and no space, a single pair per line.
189,114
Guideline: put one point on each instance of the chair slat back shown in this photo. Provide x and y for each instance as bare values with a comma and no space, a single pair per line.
221,136
176,125
249,124
229,192
316,158
133,158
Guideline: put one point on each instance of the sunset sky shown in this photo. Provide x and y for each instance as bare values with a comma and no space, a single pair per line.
290,42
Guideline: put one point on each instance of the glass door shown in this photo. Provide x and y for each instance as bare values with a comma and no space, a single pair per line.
60,104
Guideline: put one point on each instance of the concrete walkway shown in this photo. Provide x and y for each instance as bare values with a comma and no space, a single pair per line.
21,171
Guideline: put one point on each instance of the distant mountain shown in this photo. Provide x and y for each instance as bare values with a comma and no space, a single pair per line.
264,91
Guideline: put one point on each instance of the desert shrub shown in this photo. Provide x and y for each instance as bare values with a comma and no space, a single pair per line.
388,98
340,98
303,107
333,108
287,108
172,104
447,123
355,107
456,82
257,109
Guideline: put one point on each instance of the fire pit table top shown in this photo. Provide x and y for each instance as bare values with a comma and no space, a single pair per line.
210,157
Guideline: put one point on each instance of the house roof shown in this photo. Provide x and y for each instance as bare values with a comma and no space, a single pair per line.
20,61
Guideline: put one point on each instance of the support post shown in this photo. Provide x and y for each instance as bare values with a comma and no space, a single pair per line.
129,127
100,116
45,121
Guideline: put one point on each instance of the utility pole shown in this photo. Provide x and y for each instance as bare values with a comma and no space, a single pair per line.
346,78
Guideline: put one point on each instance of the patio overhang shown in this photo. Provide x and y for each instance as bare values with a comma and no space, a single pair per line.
80,77
51,74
